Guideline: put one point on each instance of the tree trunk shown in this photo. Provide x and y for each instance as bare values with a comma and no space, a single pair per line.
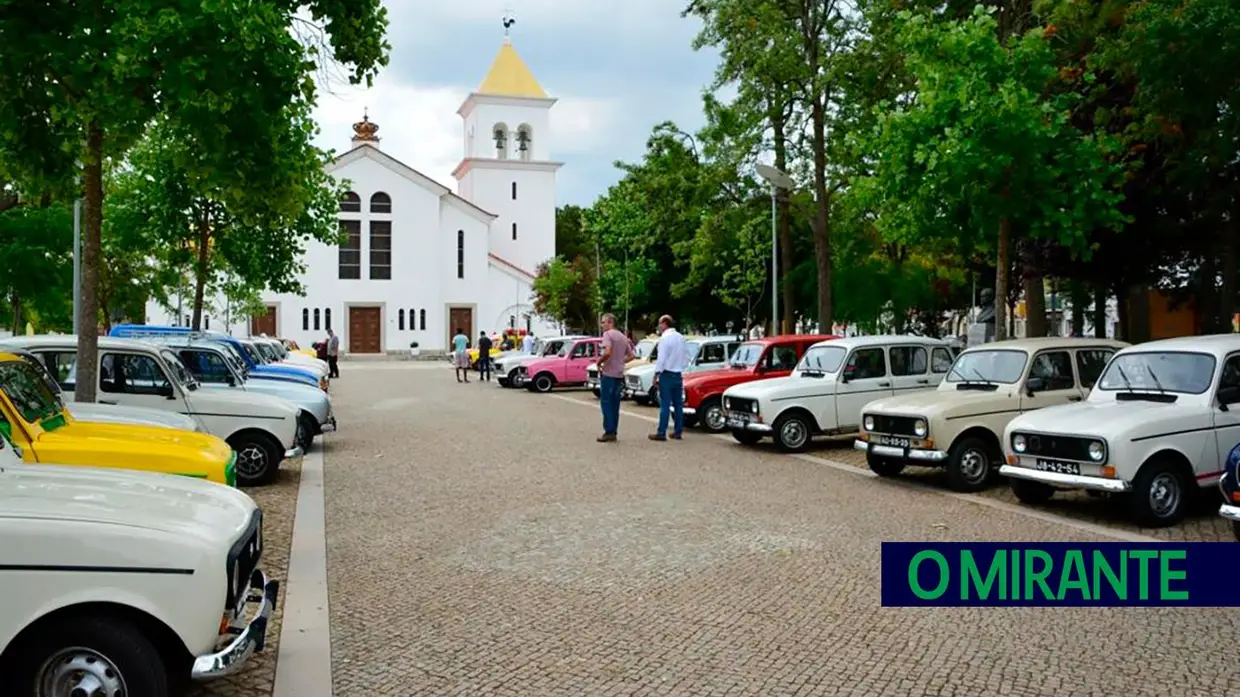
1001,280
822,221
1100,311
1079,298
88,337
1227,289
1035,306
778,126
200,268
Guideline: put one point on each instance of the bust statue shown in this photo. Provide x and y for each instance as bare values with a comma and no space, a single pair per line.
986,307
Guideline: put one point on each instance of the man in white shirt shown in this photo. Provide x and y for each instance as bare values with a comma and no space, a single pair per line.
527,344
669,370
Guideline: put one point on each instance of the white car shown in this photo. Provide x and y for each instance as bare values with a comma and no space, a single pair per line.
263,430
279,352
263,353
506,369
705,353
1159,424
831,384
125,583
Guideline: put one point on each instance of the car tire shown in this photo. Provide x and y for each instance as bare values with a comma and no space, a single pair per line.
543,383
107,650
884,466
971,465
596,392
746,437
1031,493
711,417
654,398
258,458
306,426
793,433
1160,495
512,378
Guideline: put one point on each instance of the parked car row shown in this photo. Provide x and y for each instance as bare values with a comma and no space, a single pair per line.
1152,424
120,579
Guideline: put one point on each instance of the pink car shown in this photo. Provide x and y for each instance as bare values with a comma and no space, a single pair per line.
565,369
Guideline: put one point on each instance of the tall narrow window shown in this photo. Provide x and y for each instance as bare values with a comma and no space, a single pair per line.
514,191
413,319
380,250
327,318
351,203
351,250
380,203
460,254
514,231
316,319
422,319
305,319
206,322
401,314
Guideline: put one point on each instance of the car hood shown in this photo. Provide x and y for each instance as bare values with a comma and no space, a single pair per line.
788,386
932,402
1110,419
241,403
520,360
169,503
142,416
309,398
641,370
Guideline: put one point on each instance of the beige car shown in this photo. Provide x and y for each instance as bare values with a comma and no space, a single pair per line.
959,425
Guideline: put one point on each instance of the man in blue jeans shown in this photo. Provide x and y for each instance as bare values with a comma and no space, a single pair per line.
669,378
616,352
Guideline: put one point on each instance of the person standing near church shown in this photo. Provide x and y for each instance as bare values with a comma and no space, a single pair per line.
333,354
484,357
669,370
616,352
527,344
460,354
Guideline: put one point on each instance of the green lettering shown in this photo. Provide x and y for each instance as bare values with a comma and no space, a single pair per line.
944,574
1015,592
1144,556
997,572
1037,576
1102,567
1166,575
1073,576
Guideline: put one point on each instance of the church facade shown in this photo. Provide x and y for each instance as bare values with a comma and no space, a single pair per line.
421,261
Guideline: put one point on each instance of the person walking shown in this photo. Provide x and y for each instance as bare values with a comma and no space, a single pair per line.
669,370
333,354
460,354
527,344
616,352
484,357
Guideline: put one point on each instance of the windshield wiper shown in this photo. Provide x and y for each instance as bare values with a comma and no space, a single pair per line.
1124,376
1157,384
981,377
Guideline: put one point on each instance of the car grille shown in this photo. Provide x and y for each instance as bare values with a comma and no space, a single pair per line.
633,381
243,559
895,425
1060,447
739,404
592,372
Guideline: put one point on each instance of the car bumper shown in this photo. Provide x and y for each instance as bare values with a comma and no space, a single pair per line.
689,411
249,641
1230,512
911,454
328,426
1068,481
295,451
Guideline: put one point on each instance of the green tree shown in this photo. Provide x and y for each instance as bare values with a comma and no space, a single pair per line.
36,265
562,291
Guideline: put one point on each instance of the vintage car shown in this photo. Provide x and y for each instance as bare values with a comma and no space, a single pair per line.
35,420
125,583
705,353
1229,485
833,381
960,425
262,429
293,347
1157,427
566,368
506,370
263,354
757,359
275,350
644,352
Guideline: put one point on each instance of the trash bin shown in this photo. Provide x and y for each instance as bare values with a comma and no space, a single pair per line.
414,351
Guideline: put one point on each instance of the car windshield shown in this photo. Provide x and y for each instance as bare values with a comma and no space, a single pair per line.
234,359
746,355
254,354
692,348
42,370
29,392
263,350
996,365
824,359
180,374
555,348
645,349
1160,371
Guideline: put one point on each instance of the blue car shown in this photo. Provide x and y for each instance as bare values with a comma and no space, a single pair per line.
254,370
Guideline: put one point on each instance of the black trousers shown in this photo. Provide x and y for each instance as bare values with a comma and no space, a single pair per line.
333,366
484,367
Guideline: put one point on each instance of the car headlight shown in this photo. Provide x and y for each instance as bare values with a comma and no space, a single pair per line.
1097,450
869,423
754,407
727,403
1019,444
920,428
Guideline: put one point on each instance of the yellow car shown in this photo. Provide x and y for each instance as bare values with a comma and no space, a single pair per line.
36,422
292,346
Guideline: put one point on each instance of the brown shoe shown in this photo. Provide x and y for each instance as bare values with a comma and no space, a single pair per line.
655,436
607,438
676,436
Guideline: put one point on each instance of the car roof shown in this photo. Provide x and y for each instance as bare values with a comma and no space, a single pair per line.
1041,343
1216,344
46,340
791,338
882,340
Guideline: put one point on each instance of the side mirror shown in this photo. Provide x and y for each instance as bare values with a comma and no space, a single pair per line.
848,374
166,391
1034,385
1228,396
232,381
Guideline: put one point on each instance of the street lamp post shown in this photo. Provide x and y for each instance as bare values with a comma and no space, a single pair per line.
778,180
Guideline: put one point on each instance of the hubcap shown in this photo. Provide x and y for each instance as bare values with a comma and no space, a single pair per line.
1164,495
544,385
80,672
714,418
793,433
973,465
251,460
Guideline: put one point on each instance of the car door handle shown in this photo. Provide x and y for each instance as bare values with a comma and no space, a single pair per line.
105,401
884,384
924,381
1074,399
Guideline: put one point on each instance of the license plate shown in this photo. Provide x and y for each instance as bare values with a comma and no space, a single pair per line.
892,441
737,419
1057,466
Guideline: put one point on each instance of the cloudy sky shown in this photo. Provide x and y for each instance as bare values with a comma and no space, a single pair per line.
618,68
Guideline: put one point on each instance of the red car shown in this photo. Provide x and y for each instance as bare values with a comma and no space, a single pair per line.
772,357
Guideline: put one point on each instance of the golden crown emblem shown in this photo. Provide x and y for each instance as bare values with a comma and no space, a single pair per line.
364,129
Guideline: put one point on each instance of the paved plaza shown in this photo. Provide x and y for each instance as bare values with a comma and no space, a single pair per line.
480,542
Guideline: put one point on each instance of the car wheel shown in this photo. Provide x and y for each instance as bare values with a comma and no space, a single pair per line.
654,398
711,415
884,466
746,437
1159,495
90,655
792,433
644,401
512,378
971,465
543,383
1029,492
306,426
258,458
596,392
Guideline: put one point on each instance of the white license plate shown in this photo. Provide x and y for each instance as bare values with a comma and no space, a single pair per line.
737,419
1044,465
892,441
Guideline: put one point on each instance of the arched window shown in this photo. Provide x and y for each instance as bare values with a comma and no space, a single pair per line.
401,314
380,203
512,321
460,254
413,319
305,319
422,319
206,322
351,203
327,318
500,134
514,231
525,141
316,319
514,191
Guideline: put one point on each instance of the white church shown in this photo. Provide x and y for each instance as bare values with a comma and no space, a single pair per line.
420,260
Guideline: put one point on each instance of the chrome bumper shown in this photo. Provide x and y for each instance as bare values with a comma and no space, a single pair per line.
249,640
1230,512
328,426
295,451
756,427
902,453
1073,481
688,411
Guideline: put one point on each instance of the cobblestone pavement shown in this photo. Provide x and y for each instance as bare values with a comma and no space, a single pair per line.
279,503
481,542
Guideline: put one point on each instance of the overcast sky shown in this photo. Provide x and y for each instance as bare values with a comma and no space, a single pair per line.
618,67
